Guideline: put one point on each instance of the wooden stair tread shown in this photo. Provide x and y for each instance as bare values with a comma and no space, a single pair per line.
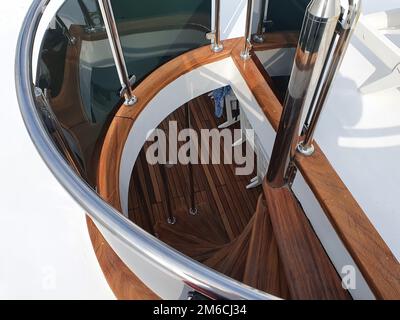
205,223
264,269
187,235
231,259
202,226
185,242
309,272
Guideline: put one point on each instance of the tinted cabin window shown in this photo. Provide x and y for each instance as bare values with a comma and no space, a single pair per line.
286,15
80,75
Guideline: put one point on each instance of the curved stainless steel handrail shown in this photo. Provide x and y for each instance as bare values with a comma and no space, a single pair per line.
210,282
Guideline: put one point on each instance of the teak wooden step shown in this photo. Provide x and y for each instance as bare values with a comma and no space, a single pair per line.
185,242
202,225
309,272
231,259
198,237
264,269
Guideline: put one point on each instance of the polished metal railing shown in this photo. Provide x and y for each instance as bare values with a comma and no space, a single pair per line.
324,38
118,55
67,34
91,25
215,35
55,129
245,53
152,252
337,51
259,36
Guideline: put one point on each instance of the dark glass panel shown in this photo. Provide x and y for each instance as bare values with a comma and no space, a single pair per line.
77,70
286,15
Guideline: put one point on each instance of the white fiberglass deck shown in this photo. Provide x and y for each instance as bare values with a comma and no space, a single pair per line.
360,135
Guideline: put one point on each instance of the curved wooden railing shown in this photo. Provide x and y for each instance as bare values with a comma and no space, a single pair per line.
373,257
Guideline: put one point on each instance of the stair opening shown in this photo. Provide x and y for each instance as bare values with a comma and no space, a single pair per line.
225,205
221,234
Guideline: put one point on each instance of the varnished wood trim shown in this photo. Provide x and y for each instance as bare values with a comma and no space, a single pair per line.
262,92
110,160
264,268
265,75
277,40
309,272
171,71
123,282
377,263
373,257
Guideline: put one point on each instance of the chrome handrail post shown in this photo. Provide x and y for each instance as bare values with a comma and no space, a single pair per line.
215,35
245,54
259,36
315,40
345,30
117,52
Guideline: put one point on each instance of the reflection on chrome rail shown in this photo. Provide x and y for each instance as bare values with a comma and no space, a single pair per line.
118,55
245,54
215,35
336,54
259,36
323,41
